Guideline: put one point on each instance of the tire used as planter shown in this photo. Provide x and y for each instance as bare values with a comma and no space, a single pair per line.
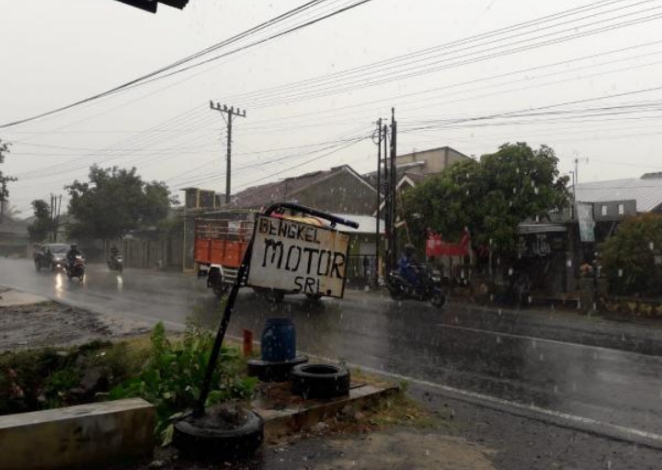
320,381
267,371
206,439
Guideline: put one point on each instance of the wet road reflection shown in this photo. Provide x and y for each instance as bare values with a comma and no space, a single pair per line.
532,360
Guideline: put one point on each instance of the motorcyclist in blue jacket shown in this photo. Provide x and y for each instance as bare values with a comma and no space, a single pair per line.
407,267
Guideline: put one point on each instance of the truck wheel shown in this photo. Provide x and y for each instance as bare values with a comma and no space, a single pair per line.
220,289
313,297
215,281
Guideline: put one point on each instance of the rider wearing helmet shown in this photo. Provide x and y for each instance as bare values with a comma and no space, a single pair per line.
72,253
407,266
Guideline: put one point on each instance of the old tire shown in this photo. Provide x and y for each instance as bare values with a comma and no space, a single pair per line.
320,381
198,442
267,371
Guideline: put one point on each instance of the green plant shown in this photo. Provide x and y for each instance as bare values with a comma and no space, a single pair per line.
490,197
58,384
171,377
632,259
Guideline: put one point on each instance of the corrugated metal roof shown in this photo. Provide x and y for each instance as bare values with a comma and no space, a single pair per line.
647,192
367,224
525,229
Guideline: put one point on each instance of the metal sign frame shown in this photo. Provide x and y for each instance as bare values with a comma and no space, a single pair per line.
300,257
232,298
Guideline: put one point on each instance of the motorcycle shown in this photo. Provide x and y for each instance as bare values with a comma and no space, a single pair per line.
115,263
77,268
428,290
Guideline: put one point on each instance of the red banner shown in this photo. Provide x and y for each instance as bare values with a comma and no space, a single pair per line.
436,246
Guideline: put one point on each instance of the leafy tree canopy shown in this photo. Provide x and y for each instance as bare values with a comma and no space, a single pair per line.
631,258
115,201
491,197
43,223
4,179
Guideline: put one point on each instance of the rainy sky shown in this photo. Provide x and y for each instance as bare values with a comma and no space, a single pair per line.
471,74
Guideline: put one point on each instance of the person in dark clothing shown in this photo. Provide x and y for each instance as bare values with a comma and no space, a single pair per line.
72,253
114,252
407,266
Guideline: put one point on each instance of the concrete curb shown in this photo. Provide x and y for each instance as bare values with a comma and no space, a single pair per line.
77,437
557,418
278,423
563,420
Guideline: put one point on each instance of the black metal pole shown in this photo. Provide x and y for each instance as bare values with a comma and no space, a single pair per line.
218,342
314,212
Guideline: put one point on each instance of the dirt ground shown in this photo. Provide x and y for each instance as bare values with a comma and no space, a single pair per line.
45,323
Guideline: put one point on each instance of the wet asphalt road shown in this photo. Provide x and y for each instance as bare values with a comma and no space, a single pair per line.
600,370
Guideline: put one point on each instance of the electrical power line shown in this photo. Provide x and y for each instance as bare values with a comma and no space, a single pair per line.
381,68
161,71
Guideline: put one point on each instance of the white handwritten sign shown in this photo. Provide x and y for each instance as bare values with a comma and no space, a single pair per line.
296,257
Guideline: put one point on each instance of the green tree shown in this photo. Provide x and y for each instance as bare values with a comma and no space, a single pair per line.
491,196
4,179
632,257
115,201
43,223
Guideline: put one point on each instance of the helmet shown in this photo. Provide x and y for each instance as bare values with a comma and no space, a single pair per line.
74,245
409,249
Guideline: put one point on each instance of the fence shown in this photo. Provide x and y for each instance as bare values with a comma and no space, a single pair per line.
360,269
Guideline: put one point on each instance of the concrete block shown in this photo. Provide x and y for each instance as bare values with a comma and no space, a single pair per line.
304,415
78,437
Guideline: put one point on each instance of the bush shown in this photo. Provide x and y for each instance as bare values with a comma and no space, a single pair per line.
632,258
40,379
172,375
166,373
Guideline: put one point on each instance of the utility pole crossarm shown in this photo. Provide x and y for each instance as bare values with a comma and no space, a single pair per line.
231,112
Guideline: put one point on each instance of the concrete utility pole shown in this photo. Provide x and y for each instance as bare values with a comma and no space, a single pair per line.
231,112
387,202
379,200
392,190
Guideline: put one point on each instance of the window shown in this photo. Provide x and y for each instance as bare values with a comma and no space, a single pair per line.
604,211
621,209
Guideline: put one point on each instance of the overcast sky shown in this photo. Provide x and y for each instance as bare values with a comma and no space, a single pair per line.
58,51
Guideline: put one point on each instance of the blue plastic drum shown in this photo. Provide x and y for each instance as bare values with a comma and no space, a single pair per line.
279,340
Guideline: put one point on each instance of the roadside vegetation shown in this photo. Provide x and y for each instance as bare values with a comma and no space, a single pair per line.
633,257
164,371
